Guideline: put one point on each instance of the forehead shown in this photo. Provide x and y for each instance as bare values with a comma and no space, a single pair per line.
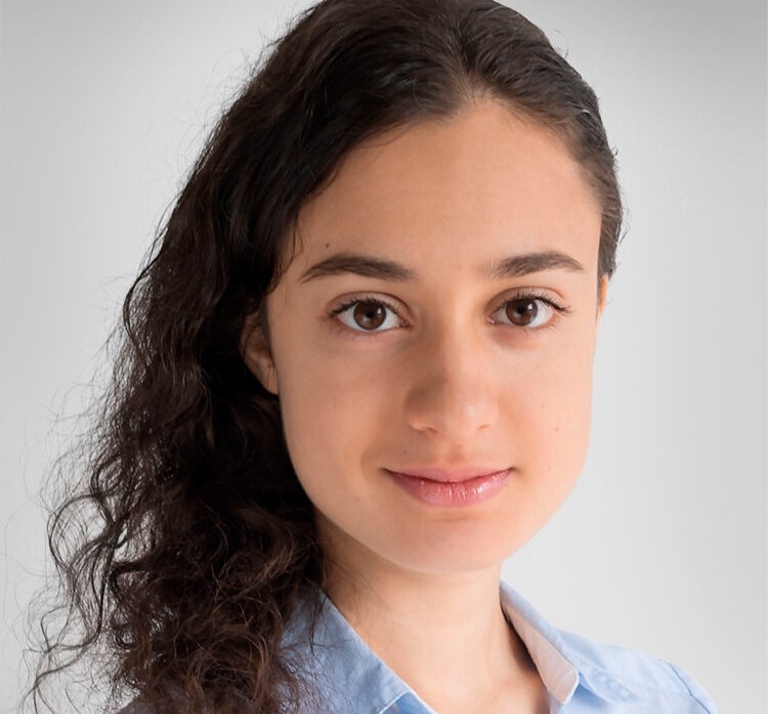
469,187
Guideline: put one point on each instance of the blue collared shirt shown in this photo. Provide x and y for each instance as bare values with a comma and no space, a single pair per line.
345,676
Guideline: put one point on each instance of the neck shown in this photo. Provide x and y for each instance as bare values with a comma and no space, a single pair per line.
444,634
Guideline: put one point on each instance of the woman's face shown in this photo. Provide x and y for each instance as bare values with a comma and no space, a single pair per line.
431,341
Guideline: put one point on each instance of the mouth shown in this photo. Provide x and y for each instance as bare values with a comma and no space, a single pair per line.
451,488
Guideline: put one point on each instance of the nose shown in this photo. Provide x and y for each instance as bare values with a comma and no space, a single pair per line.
453,388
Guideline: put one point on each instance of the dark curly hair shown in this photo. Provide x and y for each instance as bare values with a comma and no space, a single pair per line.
190,541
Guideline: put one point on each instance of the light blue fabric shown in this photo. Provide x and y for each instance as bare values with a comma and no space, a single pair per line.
344,676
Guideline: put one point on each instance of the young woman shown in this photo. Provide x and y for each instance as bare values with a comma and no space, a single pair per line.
356,378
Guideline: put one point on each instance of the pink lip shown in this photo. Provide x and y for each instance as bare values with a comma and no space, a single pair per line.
460,487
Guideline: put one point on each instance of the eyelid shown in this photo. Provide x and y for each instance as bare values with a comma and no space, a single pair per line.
532,294
546,296
344,304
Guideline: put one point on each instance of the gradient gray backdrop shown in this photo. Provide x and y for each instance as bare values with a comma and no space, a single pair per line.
663,544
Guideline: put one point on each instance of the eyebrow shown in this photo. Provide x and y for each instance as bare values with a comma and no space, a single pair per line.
370,267
527,263
366,266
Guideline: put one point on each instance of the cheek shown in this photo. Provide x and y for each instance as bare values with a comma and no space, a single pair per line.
329,415
548,416
560,414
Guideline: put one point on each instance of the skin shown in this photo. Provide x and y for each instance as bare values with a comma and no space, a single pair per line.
448,380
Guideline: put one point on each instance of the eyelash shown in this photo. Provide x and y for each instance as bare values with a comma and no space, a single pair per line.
534,296
530,295
521,295
336,311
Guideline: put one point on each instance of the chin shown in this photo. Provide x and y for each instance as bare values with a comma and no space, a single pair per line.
456,548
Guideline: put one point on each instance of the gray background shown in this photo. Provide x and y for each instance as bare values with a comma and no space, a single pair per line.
663,544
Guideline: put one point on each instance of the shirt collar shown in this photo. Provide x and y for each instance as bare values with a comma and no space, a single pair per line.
339,667
562,668
544,645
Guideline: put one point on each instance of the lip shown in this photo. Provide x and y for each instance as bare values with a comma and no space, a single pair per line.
451,488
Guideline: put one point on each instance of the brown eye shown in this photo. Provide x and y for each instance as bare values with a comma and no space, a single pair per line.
527,312
522,312
368,316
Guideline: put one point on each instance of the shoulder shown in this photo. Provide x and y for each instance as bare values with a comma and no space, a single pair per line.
633,676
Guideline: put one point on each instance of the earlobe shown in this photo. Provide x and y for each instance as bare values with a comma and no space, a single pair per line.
257,353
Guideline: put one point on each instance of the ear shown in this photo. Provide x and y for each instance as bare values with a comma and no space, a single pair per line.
257,353
602,296
602,299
